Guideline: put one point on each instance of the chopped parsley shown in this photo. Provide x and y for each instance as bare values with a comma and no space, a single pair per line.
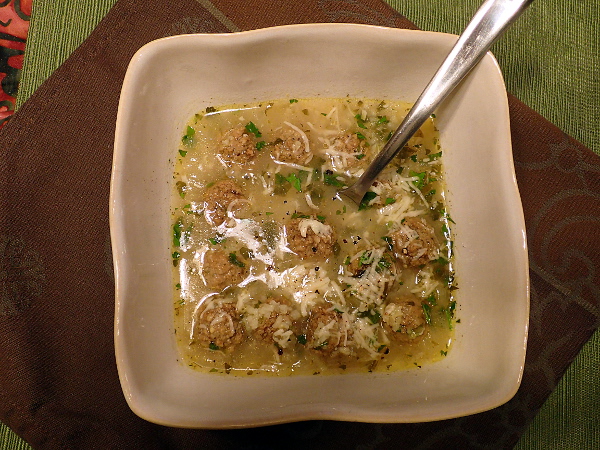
188,137
233,259
420,181
213,346
332,180
426,312
360,122
177,227
294,181
301,216
260,145
364,203
219,238
301,338
293,100
251,128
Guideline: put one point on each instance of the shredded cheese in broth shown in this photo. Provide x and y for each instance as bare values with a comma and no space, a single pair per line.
275,274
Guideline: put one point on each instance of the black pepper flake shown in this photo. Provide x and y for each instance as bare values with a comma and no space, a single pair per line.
317,269
317,292
355,242
329,172
314,249
280,351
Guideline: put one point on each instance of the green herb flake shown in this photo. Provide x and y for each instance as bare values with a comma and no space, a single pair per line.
435,155
182,152
233,259
213,370
301,216
361,136
295,182
360,122
213,346
433,116
331,180
382,119
364,204
443,353
188,137
390,200
321,218
426,312
413,158
293,100
178,286
251,128
431,300
260,145
269,213
177,227
420,181
301,338
218,239
361,156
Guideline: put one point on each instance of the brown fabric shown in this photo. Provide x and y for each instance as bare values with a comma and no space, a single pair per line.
58,379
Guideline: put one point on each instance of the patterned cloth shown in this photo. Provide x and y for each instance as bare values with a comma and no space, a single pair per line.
52,405
14,24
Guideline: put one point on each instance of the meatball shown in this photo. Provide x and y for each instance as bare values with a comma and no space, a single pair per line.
237,146
403,319
219,327
328,331
309,238
290,147
414,242
353,145
275,321
217,199
221,270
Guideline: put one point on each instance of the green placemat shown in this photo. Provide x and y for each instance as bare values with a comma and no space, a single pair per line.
550,60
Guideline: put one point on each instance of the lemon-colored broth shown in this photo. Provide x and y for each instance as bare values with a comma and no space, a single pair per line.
255,229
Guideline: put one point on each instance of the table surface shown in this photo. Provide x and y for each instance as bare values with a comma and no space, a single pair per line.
550,60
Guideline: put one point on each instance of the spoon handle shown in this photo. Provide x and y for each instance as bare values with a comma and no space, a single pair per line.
488,23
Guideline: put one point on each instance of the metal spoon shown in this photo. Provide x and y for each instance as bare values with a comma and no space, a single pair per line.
488,23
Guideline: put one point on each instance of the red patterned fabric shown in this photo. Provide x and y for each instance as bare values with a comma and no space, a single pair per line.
14,24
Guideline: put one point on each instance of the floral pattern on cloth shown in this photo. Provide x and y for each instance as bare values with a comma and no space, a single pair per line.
14,25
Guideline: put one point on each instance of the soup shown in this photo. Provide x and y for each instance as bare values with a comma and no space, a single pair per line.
274,273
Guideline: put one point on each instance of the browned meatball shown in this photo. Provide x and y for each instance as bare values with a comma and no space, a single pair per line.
277,326
221,270
237,146
219,327
327,331
217,199
403,319
309,238
290,147
415,243
350,143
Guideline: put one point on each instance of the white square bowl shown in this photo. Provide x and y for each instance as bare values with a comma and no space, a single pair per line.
170,79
